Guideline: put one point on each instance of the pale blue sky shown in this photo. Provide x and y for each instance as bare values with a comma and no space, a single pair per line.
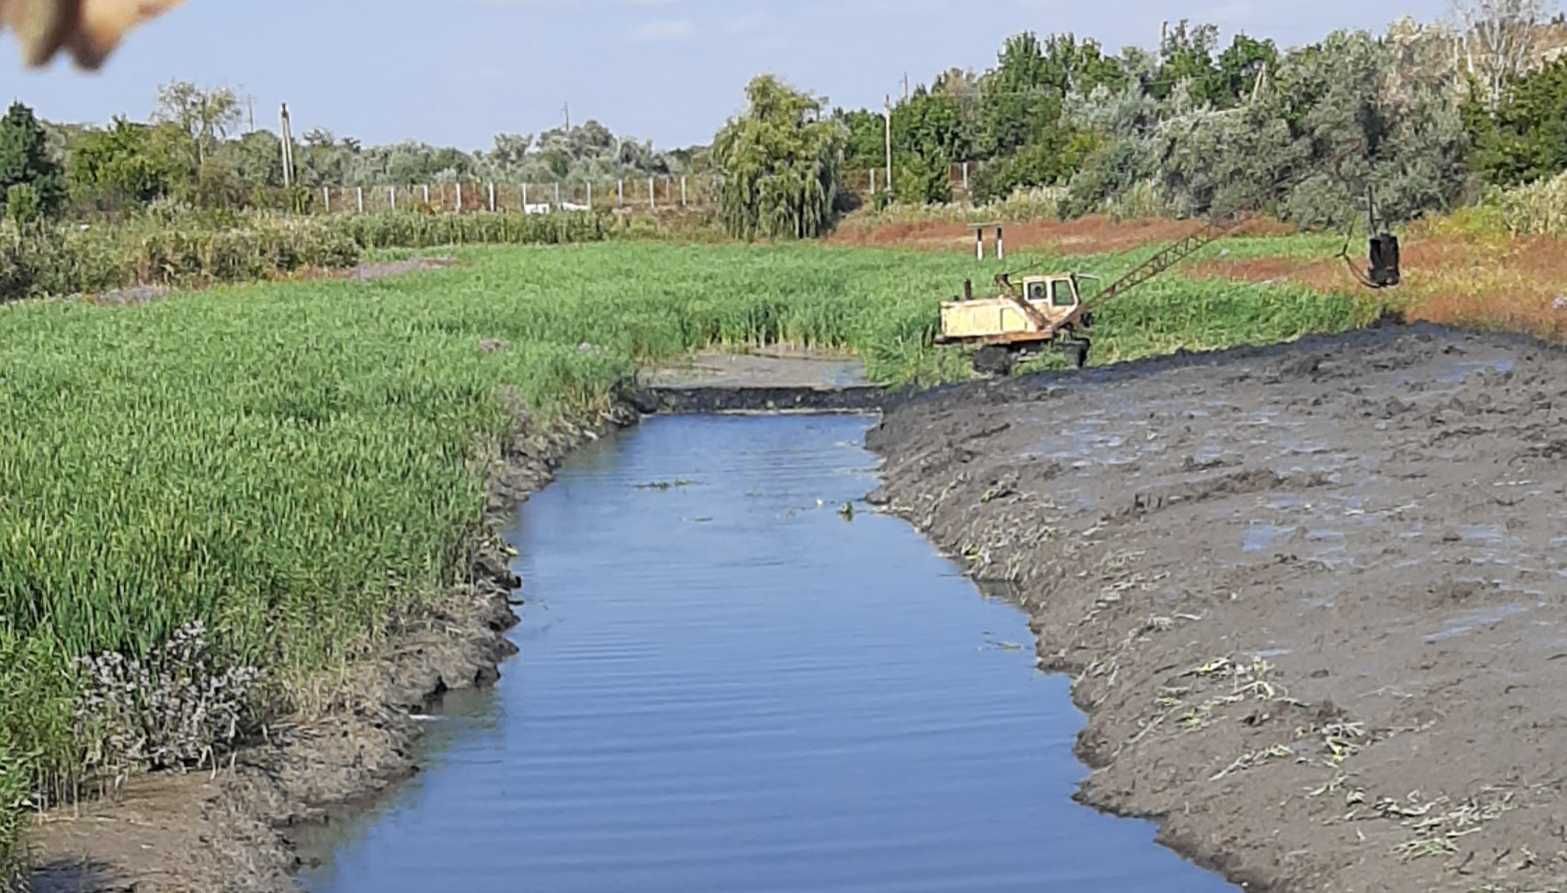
453,72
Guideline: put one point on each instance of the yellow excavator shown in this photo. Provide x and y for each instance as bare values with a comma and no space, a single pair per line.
1045,312
1048,312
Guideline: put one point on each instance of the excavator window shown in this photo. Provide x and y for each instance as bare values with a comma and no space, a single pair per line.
1061,293
1036,291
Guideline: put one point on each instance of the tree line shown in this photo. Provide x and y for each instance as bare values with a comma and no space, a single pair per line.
1426,117
193,153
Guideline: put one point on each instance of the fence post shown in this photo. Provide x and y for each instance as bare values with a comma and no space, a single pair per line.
459,196
1001,245
326,198
652,202
620,193
391,196
683,192
492,196
965,177
359,198
873,181
979,244
427,193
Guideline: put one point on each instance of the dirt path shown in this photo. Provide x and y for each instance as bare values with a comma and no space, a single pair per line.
1313,594
1085,235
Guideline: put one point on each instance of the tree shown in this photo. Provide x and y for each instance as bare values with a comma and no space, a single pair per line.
1186,57
1500,40
254,158
1020,101
206,116
125,163
1525,138
866,147
1241,67
511,151
780,162
25,160
929,133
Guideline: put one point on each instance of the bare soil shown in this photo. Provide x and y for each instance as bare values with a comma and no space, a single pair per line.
230,830
377,270
1312,595
1086,235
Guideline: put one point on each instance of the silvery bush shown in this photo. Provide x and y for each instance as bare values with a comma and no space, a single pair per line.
176,709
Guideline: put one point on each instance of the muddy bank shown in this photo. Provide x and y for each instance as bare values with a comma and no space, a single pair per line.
231,830
776,381
1312,595
688,401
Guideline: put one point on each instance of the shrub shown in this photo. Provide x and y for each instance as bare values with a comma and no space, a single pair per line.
179,708
23,205
1535,209
173,245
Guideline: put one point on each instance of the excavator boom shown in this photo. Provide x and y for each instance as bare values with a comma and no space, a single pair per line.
1168,257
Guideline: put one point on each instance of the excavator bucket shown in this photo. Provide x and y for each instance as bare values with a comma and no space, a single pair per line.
1384,272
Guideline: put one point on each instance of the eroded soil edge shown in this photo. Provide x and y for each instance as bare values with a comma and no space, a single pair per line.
231,831
1312,595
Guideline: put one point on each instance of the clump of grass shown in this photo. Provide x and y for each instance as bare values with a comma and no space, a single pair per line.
1535,209
411,229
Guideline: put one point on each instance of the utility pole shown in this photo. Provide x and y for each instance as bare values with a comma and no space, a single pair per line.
566,110
286,136
905,86
889,142
1262,78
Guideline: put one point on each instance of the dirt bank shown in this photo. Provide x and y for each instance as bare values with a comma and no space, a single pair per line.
230,831
1313,595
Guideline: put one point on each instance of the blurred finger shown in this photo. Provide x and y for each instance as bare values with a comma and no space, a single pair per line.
41,26
102,24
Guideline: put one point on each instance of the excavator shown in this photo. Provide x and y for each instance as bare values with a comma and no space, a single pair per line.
1044,312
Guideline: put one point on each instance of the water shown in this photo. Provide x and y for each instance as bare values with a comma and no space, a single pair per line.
728,685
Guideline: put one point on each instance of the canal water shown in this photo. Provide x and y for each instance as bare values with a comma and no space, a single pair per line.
728,683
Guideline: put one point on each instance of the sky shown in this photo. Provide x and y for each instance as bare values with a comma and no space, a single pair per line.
455,72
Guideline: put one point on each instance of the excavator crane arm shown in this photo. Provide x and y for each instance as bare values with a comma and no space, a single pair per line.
1168,257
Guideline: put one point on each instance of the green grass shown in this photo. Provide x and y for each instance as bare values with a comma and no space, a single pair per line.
190,249
291,462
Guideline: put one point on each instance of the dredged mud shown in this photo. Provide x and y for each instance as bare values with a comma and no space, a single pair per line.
1313,595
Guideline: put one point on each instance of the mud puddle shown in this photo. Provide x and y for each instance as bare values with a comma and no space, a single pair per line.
736,677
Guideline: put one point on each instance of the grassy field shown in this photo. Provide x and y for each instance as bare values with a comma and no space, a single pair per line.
289,463
190,248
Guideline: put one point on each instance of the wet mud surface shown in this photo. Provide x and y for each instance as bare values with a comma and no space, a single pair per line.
1312,595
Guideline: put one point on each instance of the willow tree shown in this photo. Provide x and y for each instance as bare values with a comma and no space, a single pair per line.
780,163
